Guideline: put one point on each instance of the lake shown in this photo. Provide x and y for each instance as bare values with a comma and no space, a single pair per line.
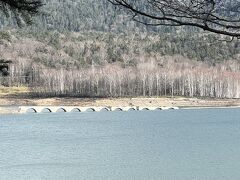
199,144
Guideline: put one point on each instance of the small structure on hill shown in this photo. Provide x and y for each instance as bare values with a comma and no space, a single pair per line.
4,67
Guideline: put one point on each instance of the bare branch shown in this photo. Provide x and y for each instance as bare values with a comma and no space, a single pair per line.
216,16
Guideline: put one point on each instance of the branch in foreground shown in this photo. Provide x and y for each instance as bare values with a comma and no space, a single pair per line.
216,16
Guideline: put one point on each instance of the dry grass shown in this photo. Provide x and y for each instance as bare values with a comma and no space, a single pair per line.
13,91
16,96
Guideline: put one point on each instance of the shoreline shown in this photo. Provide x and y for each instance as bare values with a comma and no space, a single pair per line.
14,110
125,101
10,105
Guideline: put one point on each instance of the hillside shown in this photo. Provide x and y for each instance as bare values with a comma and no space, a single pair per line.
99,64
88,48
71,15
76,50
96,15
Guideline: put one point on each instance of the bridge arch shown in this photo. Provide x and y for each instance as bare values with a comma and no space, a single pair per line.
145,109
46,110
158,109
75,110
61,110
104,109
118,109
90,110
131,109
31,110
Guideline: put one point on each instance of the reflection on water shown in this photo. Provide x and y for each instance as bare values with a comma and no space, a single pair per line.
169,145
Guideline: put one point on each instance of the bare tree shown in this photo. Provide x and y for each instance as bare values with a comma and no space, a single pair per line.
22,10
217,16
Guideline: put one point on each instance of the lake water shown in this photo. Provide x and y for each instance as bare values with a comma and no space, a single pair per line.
144,145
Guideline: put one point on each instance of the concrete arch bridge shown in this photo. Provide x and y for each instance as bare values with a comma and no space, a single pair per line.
55,109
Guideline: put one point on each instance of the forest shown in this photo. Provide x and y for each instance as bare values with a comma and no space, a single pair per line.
89,49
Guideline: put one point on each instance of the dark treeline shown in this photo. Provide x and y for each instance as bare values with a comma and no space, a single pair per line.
85,15
80,15
97,15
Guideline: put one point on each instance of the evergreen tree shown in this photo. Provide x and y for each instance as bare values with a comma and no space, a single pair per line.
21,10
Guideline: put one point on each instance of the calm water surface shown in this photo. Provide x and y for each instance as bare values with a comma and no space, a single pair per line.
149,145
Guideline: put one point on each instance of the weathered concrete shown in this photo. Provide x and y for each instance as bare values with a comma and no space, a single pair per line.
39,109
123,108
54,109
